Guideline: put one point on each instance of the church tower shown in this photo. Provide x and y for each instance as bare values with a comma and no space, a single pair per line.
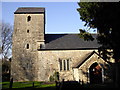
28,36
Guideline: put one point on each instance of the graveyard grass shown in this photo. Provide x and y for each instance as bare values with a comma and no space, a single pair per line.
28,84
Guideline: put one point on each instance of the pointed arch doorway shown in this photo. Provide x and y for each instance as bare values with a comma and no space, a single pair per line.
95,73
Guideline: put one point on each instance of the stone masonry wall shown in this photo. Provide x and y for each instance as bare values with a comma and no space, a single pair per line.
23,65
48,62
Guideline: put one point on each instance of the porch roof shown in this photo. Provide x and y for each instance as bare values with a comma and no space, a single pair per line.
84,59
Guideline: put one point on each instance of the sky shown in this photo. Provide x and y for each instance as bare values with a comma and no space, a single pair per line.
61,17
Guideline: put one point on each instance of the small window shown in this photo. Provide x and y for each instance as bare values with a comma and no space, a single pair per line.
64,65
28,18
27,31
60,65
68,67
27,46
42,46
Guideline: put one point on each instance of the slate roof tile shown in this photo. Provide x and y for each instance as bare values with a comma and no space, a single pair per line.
25,10
69,41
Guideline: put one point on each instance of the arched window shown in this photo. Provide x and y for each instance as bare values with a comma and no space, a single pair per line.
28,18
68,64
27,31
27,46
64,64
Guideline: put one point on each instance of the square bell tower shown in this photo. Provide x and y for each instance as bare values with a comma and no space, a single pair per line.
29,31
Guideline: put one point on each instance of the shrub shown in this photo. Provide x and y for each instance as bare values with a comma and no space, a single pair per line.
54,77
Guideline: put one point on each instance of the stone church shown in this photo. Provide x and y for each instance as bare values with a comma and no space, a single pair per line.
37,56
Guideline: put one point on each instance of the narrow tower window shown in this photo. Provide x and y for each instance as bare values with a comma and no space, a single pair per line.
27,46
28,18
27,31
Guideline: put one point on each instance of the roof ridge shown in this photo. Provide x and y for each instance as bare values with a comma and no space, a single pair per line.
31,7
31,10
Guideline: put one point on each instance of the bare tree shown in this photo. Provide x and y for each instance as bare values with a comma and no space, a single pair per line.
5,49
6,39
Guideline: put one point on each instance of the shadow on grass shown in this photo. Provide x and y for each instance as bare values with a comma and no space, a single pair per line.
31,88
66,85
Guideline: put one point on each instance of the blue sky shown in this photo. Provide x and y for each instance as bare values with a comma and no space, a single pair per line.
61,17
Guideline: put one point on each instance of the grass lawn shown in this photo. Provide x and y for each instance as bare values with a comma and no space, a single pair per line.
29,84
48,85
